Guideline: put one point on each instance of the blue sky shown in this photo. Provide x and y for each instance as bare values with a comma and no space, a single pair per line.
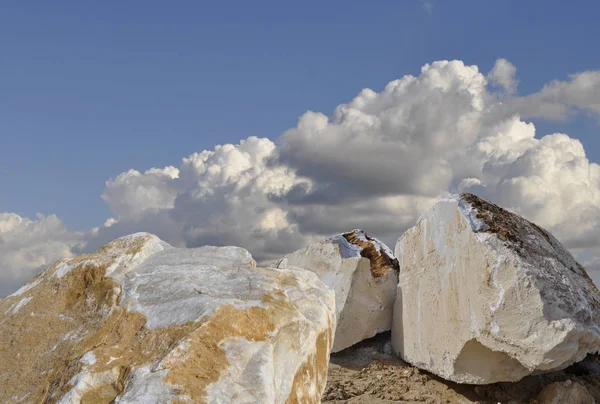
89,90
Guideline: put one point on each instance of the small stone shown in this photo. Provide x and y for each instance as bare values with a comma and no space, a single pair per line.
565,392
481,391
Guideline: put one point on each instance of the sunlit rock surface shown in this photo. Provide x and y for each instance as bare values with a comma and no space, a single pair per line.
141,322
485,296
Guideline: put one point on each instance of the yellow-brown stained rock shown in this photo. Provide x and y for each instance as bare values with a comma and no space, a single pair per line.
82,312
64,318
315,368
205,360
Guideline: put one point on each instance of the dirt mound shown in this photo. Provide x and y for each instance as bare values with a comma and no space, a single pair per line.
368,373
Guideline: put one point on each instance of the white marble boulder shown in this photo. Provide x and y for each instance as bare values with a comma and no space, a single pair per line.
486,296
363,273
139,321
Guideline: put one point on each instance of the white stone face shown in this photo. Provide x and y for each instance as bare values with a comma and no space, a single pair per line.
364,291
144,322
486,296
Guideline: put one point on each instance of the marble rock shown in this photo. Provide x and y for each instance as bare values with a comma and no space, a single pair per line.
139,321
363,273
486,296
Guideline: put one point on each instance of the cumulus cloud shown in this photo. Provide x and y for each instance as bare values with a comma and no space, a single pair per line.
377,163
440,132
27,246
504,75
401,141
221,197
132,194
560,100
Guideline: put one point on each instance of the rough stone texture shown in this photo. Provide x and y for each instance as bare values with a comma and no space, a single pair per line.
363,273
485,296
141,322
565,392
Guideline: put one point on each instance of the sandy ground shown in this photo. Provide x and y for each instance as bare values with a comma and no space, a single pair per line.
369,373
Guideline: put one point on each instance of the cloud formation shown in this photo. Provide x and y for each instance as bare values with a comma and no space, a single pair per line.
377,163
504,75
560,100
404,140
133,194
26,246
221,197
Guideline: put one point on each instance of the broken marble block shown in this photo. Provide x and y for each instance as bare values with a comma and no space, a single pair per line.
362,271
139,321
486,296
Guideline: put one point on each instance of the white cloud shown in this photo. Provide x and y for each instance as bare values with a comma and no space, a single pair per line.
560,100
504,75
27,246
110,221
402,141
132,194
220,196
377,163
440,132
9,221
